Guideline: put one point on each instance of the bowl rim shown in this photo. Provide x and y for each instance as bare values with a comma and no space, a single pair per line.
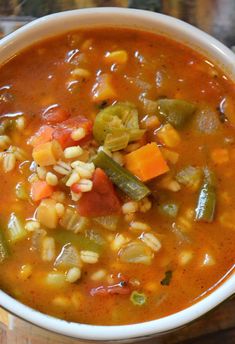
226,286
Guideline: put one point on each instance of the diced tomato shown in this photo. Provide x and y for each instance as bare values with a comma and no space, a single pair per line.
43,135
101,200
55,114
62,132
40,189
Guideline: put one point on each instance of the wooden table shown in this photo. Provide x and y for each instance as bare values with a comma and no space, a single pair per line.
215,328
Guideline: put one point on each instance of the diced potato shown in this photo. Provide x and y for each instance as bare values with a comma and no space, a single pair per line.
48,153
46,213
169,155
168,136
118,57
103,88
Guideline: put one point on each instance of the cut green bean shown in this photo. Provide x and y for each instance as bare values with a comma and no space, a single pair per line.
122,178
177,112
206,204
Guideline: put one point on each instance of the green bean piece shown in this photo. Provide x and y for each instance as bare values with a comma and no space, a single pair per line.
4,250
122,178
177,112
169,209
118,118
206,204
138,299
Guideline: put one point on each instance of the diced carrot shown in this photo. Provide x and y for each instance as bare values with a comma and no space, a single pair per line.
103,88
220,156
101,200
40,189
146,162
63,131
55,114
43,135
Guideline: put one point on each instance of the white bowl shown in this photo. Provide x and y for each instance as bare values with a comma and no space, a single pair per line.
216,52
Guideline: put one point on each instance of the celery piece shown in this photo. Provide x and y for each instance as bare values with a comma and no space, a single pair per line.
4,250
116,141
120,116
190,176
109,222
16,229
126,181
138,299
177,112
206,204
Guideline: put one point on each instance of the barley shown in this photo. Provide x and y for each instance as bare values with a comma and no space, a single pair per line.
89,257
81,73
48,249
170,184
130,207
62,168
139,226
184,223
118,157
76,196
151,241
119,241
185,257
20,154
98,275
51,179
88,166
9,162
5,141
73,275
145,205
85,185
78,134
20,123
74,178
72,152
58,196
59,207
169,155
84,172
25,271
32,226
41,171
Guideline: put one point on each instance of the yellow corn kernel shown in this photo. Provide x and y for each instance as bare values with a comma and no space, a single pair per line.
103,88
168,136
48,153
118,57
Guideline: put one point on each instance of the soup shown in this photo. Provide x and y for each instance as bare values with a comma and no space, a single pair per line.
117,176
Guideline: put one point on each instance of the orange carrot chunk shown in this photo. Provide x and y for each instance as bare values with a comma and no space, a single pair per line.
40,189
146,162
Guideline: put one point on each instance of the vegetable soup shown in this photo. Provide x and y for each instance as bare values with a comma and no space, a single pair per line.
117,167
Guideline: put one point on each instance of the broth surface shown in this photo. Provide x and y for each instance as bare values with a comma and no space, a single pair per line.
195,255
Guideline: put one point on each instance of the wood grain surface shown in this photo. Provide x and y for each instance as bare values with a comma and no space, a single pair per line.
217,327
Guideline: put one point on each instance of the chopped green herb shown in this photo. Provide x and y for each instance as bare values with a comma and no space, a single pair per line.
167,279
